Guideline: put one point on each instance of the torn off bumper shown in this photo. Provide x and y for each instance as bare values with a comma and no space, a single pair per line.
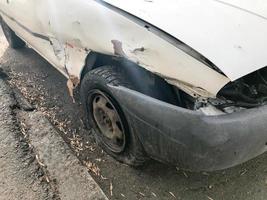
190,139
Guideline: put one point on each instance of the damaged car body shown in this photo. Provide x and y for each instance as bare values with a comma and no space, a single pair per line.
186,84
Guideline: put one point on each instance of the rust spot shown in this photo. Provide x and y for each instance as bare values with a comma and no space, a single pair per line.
117,46
72,83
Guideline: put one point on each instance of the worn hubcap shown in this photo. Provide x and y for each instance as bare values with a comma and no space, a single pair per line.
108,121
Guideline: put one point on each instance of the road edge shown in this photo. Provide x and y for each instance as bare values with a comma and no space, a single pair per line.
71,178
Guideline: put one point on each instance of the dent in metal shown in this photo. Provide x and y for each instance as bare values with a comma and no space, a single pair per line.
189,89
213,28
112,34
72,57
74,63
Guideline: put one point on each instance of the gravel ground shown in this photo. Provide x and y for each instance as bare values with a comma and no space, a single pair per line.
46,89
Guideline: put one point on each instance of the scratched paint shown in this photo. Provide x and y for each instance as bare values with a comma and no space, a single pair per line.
78,27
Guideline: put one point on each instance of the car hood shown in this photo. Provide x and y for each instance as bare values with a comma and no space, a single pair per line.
230,33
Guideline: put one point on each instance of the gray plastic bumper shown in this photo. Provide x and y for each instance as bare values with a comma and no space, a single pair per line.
190,139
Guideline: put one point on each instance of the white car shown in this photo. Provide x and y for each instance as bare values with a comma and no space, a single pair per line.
180,81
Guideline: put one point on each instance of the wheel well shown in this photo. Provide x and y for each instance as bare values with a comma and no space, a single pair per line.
143,80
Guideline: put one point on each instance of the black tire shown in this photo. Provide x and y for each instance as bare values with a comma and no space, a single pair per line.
13,40
96,82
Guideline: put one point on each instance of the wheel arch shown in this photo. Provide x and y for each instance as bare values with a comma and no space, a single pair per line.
144,81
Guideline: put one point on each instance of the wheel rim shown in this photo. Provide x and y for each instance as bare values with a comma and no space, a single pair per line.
108,121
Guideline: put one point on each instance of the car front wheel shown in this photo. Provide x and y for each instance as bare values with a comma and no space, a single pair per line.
111,128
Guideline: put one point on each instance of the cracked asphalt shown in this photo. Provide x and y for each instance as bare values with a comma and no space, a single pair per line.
35,162
46,89
20,175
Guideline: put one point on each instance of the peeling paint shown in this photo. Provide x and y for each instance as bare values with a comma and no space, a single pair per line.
117,46
71,58
72,83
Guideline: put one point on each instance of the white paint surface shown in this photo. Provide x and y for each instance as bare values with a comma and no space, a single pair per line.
234,39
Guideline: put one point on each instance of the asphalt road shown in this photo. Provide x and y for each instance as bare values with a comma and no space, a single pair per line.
20,175
46,88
